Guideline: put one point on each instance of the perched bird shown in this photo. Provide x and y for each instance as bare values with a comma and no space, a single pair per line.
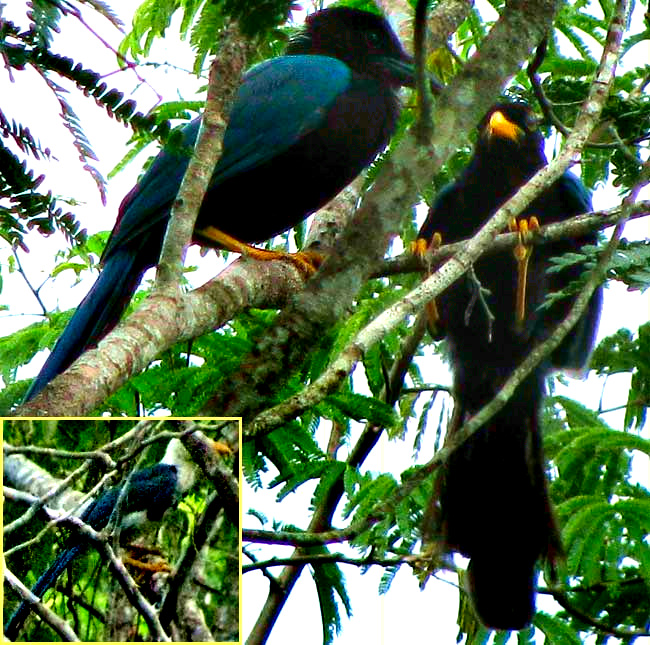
493,505
302,127
150,493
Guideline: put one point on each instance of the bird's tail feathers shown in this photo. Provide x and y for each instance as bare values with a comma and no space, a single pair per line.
15,623
97,314
502,590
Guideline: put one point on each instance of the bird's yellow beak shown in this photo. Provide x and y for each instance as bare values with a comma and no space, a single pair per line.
500,126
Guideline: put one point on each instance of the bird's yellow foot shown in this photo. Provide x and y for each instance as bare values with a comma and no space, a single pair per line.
522,252
420,248
149,567
143,561
222,448
307,262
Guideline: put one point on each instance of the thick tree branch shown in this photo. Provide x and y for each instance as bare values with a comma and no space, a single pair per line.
574,227
28,476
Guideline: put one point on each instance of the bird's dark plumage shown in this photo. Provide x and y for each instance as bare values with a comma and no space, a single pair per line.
302,127
151,491
493,502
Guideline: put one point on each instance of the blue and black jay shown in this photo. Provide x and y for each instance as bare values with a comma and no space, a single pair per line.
302,126
150,493
492,501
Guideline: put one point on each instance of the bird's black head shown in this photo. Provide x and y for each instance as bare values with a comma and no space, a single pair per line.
364,41
510,130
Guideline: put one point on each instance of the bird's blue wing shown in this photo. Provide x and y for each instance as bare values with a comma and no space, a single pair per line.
279,101
575,194
574,351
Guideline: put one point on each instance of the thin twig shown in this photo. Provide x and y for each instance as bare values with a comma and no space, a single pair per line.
324,558
34,290
561,597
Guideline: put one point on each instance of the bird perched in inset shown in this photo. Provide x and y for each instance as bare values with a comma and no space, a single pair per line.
151,491
492,504
301,128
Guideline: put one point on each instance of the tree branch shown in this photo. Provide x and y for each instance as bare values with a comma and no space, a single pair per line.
574,227
323,558
563,600
224,78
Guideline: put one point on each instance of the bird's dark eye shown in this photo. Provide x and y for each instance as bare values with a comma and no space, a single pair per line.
373,39
532,121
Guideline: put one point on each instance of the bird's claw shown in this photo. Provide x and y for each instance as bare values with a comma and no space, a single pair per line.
143,561
148,567
420,248
222,448
522,252
422,245
307,262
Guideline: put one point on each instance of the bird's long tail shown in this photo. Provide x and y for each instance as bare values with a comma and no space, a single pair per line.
495,510
15,623
97,314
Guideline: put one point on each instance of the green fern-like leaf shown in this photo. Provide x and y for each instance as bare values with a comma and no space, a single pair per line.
364,408
330,583
315,470
210,21
23,138
150,21
330,476
45,16
555,630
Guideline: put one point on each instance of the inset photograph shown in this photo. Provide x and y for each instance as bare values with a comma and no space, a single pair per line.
121,530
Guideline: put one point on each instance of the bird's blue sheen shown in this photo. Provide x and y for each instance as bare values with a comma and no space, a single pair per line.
303,90
575,192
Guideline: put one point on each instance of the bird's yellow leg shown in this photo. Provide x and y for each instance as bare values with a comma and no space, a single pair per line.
420,248
307,262
222,448
522,252
143,561
152,567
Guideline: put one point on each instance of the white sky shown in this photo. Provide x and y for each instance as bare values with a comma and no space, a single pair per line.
404,614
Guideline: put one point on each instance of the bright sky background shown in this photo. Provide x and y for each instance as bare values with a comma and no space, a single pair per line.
404,615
